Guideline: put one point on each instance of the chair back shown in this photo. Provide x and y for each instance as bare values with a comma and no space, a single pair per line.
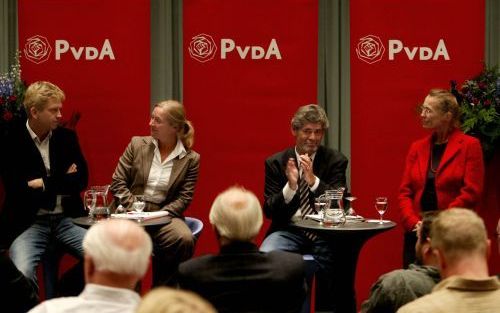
195,225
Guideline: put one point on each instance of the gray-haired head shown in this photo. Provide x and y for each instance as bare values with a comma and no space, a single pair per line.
310,113
236,214
118,246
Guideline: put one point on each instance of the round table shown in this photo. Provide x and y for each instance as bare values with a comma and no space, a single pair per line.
346,241
85,222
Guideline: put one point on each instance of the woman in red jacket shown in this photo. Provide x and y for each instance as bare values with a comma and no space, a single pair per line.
443,170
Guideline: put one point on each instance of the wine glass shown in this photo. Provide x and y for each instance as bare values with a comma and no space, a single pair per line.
89,199
319,206
120,208
351,211
138,206
381,207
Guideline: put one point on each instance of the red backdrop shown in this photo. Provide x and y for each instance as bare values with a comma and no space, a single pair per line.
112,95
385,93
241,107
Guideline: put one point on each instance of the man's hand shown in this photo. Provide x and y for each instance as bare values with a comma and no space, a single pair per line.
35,183
72,169
292,173
307,169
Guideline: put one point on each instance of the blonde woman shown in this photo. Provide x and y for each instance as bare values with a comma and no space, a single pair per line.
164,168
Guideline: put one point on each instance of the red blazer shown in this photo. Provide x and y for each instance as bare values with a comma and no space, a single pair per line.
459,177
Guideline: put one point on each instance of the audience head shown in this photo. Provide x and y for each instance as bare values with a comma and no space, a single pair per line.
39,94
308,127
116,249
236,215
172,112
423,248
457,235
168,300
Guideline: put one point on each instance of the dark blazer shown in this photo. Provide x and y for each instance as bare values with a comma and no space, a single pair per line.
22,162
459,178
131,176
329,166
242,279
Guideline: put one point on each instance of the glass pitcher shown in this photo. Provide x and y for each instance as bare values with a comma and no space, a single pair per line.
334,211
101,203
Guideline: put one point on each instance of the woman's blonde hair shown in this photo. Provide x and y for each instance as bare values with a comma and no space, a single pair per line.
176,116
168,300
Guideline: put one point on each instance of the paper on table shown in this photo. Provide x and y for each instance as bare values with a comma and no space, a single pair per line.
141,215
315,217
355,217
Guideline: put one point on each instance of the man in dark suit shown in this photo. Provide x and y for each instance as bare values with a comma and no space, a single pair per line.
240,278
44,172
317,169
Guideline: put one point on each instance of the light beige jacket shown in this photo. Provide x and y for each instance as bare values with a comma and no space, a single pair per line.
131,176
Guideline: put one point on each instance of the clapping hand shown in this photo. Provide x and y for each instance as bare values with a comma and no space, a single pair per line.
292,173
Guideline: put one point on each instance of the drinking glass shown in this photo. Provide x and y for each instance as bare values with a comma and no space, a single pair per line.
381,207
89,200
319,206
351,211
139,203
120,208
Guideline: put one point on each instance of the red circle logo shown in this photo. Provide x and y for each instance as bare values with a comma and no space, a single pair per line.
202,48
37,49
370,49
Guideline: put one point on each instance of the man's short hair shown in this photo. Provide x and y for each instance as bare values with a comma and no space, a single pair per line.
39,93
425,229
457,232
310,113
236,214
118,246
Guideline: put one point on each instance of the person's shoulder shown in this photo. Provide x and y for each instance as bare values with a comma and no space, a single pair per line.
424,304
193,154
329,152
195,264
141,140
279,155
64,133
63,304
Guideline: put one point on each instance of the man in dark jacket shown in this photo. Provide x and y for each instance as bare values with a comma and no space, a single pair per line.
241,278
43,171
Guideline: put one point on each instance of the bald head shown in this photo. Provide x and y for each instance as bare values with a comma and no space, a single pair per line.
236,214
119,247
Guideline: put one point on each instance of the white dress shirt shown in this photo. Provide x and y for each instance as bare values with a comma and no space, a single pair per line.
94,298
160,172
43,147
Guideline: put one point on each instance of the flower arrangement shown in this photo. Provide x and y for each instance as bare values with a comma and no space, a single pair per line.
12,89
479,100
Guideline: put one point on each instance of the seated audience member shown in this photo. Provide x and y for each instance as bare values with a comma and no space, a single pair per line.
168,300
18,295
394,289
459,239
241,278
116,257
164,169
